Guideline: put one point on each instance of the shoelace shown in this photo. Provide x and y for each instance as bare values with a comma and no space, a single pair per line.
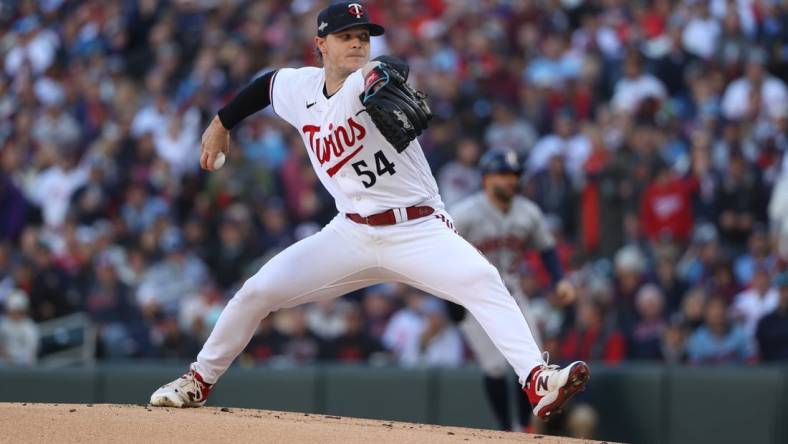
192,379
547,366
195,386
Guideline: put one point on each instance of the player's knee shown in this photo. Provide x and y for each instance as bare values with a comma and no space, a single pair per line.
257,293
482,281
487,274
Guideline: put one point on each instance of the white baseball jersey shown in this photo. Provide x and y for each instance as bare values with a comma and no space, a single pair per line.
502,238
361,170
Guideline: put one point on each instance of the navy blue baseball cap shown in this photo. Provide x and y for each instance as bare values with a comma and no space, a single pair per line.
498,161
341,16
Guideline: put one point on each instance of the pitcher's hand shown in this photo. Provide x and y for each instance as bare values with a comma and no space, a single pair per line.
215,140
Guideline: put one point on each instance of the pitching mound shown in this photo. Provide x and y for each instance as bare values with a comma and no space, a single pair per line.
79,423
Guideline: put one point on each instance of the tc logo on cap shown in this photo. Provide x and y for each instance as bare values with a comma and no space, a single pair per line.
341,16
355,10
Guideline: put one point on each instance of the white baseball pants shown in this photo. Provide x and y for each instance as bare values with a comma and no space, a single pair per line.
345,256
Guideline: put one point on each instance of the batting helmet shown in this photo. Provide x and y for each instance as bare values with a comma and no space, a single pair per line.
500,161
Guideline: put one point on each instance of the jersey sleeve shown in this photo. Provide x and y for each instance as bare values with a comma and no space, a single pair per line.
283,85
539,236
251,99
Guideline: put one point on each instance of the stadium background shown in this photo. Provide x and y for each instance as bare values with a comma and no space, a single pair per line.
653,132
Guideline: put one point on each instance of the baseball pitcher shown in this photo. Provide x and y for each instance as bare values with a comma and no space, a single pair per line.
359,120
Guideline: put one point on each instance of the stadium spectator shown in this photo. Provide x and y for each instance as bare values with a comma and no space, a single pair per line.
555,64
701,32
630,276
594,337
234,249
421,335
757,256
645,337
266,344
697,265
600,215
378,306
35,50
508,131
460,177
171,341
327,318
756,95
740,201
721,283
674,350
18,333
140,209
732,45
175,142
301,346
401,336
632,90
718,340
110,304
671,65
51,292
14,207
565,141
440,342
772,330
6,279
546,314
53,187
554,192
692,309
666,206
158,291
751,305
673,287
354,345
57,127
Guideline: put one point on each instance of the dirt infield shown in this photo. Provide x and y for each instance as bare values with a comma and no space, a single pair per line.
72,423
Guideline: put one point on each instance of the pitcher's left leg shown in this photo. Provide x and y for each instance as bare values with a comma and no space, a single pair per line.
435,259
432,257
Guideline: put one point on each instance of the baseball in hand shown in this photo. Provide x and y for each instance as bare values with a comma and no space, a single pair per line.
219,161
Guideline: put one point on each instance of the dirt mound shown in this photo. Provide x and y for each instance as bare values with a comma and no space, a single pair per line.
78,423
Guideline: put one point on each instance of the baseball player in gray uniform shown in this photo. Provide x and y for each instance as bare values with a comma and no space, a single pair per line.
502,224
359,120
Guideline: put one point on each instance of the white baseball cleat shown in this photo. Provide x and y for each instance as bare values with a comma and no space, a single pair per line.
550,387
187,391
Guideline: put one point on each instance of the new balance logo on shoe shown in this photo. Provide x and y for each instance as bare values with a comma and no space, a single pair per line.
541,383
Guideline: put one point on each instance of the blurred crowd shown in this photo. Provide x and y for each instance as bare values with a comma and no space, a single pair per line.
653,134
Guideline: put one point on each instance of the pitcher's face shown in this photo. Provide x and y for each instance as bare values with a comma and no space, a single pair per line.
346,50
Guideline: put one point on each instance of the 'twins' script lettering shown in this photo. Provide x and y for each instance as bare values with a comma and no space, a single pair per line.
338,139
